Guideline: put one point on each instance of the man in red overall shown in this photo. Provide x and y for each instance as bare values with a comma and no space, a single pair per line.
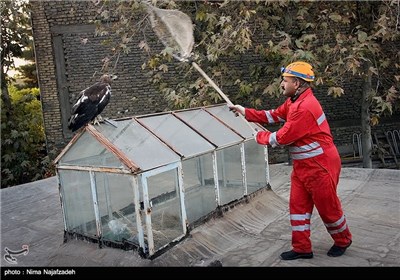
316,161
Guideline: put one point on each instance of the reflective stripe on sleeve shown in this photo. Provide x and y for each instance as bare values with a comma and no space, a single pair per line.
270,118
321,119
272,140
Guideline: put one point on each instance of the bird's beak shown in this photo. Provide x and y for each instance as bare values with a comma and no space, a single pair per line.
114,77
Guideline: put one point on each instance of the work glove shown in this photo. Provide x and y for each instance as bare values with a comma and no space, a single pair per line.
237,109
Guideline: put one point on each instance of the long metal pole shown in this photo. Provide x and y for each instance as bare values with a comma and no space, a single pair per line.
223,95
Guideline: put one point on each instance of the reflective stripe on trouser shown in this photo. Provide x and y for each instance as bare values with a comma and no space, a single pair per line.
314,182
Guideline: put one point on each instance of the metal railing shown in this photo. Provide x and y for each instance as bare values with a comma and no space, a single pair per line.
357,145
394,140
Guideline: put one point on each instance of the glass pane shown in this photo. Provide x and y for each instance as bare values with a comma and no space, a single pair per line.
212,129
178,135
138,144
116,206
198,181
256,167
166,219
238,124
230,179
78,202
88,151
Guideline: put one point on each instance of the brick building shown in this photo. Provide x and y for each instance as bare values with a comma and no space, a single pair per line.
66,65
69,58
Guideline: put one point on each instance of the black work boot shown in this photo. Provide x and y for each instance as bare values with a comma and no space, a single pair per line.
292,255
337,251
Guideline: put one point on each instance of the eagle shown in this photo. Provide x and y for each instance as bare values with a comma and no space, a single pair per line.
90,103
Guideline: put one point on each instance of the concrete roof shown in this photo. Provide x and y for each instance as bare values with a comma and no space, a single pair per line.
251,234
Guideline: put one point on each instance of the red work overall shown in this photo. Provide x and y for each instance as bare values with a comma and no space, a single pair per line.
316,166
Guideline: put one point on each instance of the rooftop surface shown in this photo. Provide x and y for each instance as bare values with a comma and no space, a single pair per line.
251,234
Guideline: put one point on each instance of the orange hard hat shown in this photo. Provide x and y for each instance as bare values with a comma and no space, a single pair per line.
299,69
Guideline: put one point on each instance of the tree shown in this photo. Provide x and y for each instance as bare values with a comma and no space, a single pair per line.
23,154
23,147
15,36
343,40
364,52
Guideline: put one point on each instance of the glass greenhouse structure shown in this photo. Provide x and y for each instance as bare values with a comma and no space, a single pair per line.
147,180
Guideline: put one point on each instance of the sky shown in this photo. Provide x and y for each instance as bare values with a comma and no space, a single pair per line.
18,62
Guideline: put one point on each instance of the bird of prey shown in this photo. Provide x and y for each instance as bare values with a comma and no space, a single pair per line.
90,103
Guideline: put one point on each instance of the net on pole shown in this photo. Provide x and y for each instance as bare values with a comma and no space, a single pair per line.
175,30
